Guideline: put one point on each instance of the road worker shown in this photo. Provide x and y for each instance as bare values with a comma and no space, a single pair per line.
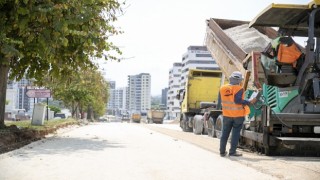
234,110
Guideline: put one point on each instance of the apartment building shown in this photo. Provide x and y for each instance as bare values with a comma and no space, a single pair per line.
164,97
173,105
196,57
117,102
111,107
139,92
120,100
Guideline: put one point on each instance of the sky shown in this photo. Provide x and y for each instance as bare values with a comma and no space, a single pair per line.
158,32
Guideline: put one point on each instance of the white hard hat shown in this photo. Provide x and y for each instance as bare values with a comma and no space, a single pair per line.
236,75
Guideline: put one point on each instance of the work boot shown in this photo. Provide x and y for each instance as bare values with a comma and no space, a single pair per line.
235,154
223,154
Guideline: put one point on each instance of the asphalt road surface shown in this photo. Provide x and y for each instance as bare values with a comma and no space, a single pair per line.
143,152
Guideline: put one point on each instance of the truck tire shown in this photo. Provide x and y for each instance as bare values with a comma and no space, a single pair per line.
205,130
210,128
184,126
197,124
184,123
210,132
218,126
181,121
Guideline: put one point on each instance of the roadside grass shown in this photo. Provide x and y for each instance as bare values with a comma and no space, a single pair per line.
47,124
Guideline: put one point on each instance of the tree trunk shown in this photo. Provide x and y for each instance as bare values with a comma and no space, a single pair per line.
81,112
73,109
4,69
90,113
77,112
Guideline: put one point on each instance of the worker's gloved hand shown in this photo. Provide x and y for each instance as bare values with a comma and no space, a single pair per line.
254,100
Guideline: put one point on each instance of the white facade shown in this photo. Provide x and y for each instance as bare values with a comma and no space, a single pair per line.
117,104
174,86
197,57
11,96
111,101
139,92
16,94
120,100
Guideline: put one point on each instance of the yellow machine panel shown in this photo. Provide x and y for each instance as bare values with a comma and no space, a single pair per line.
290,17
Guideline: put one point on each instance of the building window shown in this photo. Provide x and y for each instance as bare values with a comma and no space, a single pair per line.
200,62
203,55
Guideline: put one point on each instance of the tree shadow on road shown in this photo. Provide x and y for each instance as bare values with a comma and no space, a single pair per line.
67,145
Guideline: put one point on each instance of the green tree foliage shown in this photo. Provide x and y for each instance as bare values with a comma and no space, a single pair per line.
55,37
55,109
84,90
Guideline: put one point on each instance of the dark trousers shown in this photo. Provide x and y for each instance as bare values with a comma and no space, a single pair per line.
234,124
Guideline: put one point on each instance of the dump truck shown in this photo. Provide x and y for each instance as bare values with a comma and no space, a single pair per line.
199,96
136,117
155,116
286,119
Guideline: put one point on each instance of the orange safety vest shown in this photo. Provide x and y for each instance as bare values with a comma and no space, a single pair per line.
229,107
288,54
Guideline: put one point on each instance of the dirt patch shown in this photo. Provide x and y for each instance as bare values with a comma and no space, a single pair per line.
12,137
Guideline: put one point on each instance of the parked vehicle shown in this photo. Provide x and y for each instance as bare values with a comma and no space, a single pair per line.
103,118
60,115
125,117
17,115
112,118
136,117
155,116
